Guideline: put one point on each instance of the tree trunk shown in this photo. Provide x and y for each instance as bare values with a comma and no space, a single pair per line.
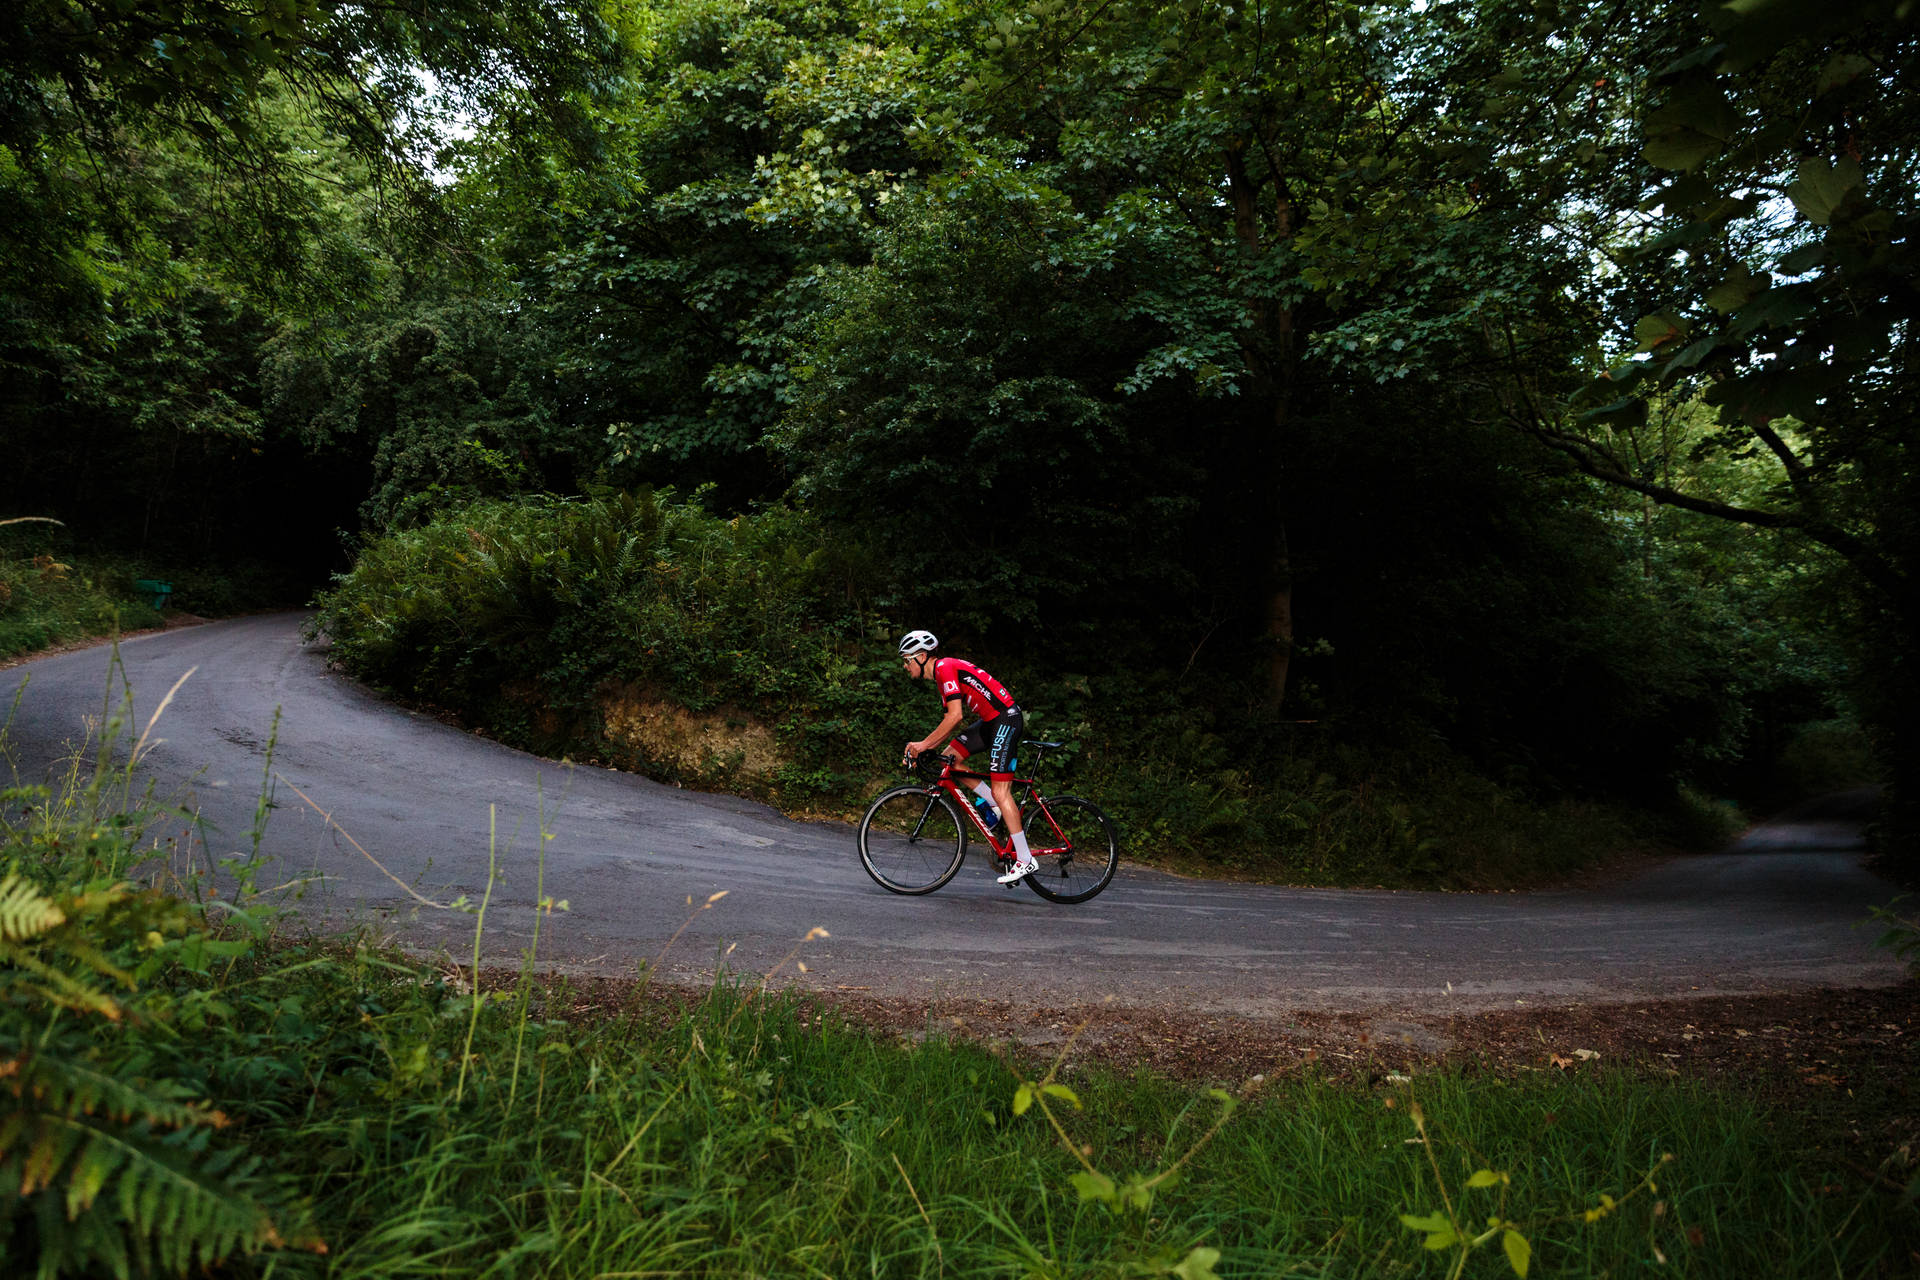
1280,615
1268,344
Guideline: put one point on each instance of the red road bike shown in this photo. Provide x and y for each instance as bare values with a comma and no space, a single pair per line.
914,837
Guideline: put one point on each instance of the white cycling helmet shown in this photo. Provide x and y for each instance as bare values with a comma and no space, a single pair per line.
917,642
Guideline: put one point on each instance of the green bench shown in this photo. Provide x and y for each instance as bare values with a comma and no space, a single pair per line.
156,592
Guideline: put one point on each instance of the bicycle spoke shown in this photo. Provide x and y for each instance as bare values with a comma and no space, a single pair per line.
1076,846
911,841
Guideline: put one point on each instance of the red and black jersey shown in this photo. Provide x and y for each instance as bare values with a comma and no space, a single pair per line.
984,696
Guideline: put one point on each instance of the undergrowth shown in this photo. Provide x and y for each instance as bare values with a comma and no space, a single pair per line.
535,619
48,598
53,592
191,1085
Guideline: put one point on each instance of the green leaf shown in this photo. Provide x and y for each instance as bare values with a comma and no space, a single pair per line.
1432,1222
1486,1178
1629,412
1093,1186
1822,187
1682,149
1687,358
1698,58
1062,1092
1197,1265
1732,293
1519,1252
1022,1099
1657,329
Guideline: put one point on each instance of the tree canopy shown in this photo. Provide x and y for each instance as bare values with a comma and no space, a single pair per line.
1533,375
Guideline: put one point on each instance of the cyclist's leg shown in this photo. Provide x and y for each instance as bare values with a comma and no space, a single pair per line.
966,742
1004,744
970,741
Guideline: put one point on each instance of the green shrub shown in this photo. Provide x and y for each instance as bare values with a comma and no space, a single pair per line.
535,618
52,592
1703,822
46,601
1827,755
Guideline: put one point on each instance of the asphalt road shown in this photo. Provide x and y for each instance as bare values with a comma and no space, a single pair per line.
1780,912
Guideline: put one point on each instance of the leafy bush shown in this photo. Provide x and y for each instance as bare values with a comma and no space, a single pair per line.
526,616
559,624
46,600
1827,755
1704,822
52,591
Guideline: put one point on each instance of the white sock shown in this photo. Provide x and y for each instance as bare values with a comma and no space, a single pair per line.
985,792
1020,852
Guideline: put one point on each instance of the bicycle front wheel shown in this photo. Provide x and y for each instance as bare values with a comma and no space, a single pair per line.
911,840
1077,847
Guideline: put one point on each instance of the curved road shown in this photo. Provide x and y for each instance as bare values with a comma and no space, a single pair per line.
1777,913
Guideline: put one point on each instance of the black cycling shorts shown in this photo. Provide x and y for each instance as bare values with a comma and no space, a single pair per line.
1000,737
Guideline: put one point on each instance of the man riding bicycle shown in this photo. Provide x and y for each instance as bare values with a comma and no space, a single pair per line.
997,730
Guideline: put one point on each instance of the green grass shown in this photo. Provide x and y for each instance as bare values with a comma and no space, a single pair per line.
415,1127
759,1137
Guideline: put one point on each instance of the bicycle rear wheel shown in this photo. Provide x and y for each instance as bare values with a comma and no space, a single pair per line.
1077,847
911,840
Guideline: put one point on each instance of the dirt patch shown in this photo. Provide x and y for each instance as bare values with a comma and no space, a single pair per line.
1810,1040
707,747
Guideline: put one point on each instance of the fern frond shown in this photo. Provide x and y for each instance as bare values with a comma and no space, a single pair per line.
77,944
25,911
58,987
80,1088
134,1173
168,1198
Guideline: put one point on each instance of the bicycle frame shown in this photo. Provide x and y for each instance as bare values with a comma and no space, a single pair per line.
950,778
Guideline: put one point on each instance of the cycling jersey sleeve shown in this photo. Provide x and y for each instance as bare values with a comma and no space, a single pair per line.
948,679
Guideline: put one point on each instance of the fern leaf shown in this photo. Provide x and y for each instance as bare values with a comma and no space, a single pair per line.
26,912
47,1141
181,1211
82,949
98,1161
59,987
78,1088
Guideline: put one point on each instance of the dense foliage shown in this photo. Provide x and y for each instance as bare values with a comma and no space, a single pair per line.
1234,367
589,627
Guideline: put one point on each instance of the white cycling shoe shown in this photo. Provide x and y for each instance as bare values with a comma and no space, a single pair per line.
1021,871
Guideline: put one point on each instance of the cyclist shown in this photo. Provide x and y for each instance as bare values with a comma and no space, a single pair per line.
997,730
